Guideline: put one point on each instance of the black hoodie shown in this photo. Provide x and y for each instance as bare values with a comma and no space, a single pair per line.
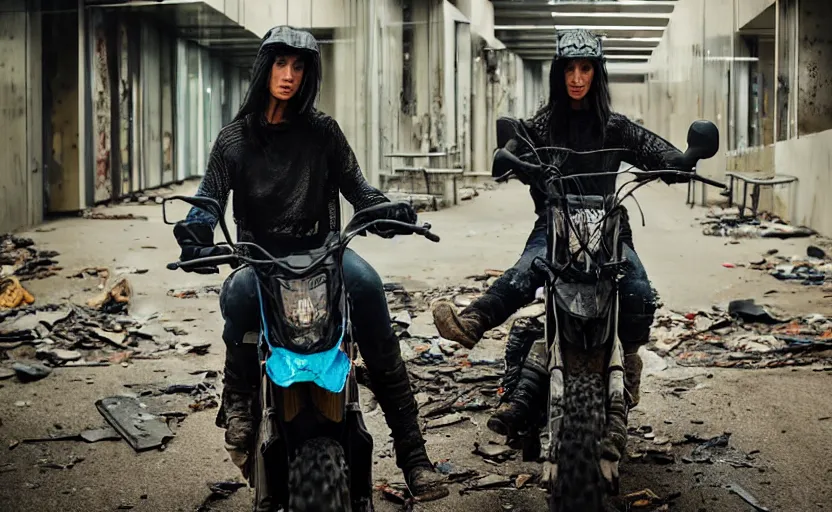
285,177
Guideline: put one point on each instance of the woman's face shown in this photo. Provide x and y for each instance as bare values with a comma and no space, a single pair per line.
579,74
286,77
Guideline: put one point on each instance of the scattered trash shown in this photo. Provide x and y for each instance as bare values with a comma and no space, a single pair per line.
728,223
490,482
6,373
495,452
58,356
746,496
445,421
810,270
219,491
521,481
748,335
115,300
642,499
20,259
466,194
193,293
13,294
396,494
199,349
142,430
31,372
729,265
97,215
748,311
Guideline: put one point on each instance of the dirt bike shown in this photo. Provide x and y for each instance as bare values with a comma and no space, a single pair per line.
581,431
313,452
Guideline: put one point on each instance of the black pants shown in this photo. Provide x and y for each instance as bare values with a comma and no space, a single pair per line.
372,328
516,288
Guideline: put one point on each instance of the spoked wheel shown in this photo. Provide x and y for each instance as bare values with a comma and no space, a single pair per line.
318,478
580,486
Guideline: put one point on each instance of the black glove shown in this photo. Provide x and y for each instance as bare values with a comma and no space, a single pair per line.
196,239
401,212
687,168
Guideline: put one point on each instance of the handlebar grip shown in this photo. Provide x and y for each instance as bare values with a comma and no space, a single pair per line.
173,266
431,236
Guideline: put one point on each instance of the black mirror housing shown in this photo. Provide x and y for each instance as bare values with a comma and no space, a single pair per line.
703,140
507,129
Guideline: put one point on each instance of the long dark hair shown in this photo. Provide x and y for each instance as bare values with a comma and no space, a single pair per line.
598,98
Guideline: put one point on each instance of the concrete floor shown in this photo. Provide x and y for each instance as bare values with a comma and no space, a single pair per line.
776,412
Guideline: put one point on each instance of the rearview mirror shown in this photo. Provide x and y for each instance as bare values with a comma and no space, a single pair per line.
507,129
703,140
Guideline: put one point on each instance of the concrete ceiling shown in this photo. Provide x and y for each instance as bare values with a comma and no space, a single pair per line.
632,28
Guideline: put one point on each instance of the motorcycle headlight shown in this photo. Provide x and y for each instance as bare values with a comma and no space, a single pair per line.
305,308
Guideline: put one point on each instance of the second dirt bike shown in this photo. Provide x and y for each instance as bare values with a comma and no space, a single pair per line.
581,432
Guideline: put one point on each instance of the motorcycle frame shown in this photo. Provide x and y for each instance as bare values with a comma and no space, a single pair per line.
551,350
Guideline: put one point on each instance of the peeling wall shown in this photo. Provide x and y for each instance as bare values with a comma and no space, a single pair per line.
814,99
21,181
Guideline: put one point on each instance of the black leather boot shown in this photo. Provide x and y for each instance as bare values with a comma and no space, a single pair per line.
236,415
391,385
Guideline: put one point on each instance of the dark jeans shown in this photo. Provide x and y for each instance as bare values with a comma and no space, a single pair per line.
372,328
637,298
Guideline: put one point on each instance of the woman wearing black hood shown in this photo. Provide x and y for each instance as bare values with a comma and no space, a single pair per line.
578,117
286,163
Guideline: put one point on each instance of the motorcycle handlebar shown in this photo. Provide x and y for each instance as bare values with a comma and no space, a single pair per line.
209,264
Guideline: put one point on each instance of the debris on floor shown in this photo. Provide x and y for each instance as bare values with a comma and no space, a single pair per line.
191,293
718,450
493,451
746,335
13,294
19,258
219,491
814,269
99,215
141,429
728,223
115,300
746,496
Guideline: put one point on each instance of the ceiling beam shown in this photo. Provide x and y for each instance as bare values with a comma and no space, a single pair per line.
610,31
601,6
523,17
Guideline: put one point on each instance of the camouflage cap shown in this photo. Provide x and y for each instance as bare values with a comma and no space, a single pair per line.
578,44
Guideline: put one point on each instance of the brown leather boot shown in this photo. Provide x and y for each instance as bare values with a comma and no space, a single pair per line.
465,328
632,374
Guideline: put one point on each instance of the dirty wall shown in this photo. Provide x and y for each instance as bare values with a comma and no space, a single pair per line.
21,172
814,67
